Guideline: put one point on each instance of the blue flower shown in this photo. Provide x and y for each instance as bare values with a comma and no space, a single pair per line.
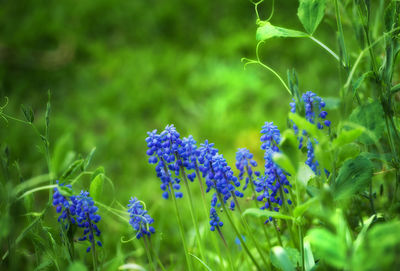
315,114
188,153
214,220
63,205
245,163
271,136
86,218
162,149
140,220
314,105
274,183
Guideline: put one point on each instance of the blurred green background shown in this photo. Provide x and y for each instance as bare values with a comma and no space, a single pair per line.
117,69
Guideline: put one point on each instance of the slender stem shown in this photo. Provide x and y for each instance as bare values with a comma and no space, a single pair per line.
237,232
94,256
301,246
181,231
227,248
257,205
149,258
178,216
207,211
325,47
301,243
246,226
191,208
156,255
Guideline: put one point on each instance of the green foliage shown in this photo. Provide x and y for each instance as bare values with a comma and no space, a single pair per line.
280,259
310,13
353,177
267,31
370,116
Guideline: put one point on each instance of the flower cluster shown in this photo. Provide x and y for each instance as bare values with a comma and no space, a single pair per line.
315,114
62,204
87,217
245,163
79,210
214,220
140,220
274,184
161,149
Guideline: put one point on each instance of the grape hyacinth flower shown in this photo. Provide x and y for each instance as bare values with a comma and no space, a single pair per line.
315,114
140,220
215,222
87,218
160,152
274,184
63,205
245,163
188,153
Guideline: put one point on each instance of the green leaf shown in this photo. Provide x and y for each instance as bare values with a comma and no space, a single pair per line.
304,174
28,113
346,137
310,13
370,116
303,124
379,251
289,146
361,79
89,158
300,209
347,151
264,213
328,247
281,260
309,261
266,31
284,162
62,155
77,266
294,255
96,187
72,168
353,177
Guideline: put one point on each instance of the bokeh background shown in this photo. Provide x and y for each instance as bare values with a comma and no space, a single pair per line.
117,69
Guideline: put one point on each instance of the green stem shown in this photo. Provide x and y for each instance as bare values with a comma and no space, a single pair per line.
156,255
237,232
149,258
326,48
94,256
301,243
206,211
249,232
257,205
301,246
191,208
178,215
181,231
227,248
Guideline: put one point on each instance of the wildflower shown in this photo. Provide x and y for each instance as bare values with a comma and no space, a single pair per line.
161,148
214,220
86,218
274,184
140,220
245,163
315,114
62,203
188,154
